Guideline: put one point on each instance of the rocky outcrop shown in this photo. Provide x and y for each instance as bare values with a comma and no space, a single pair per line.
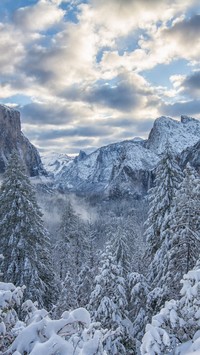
179,135
191,155
11,138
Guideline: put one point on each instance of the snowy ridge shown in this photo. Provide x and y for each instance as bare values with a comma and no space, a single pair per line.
125,164
54,162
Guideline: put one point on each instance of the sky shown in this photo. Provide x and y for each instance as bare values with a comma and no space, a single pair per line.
86,73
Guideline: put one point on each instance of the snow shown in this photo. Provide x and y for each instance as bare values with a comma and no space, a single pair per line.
72,334
100,169
178,134
107,163
82,316
54,162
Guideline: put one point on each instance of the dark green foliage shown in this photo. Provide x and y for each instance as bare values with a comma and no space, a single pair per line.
23,240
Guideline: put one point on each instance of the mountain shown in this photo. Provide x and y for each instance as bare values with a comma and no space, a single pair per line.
125,168
54,162
12,138
122,166
178,134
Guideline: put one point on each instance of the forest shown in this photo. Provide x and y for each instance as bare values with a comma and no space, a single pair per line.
83,275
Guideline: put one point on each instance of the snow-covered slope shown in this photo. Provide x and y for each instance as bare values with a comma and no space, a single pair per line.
125,167
54,162
113,165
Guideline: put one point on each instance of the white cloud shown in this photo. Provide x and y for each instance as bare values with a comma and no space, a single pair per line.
39,17
60,72
168,43
11,49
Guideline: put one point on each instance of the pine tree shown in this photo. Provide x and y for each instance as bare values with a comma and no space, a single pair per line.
184,227
138,306
161,196
23,240
177,322
121,250
108,304
67,300
70,246
168,177
85,282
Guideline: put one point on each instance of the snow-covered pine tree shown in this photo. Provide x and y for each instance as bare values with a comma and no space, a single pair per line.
108,304
175,329
121,250
168,177
10,298
70,245
85,282
184,227
67,300
24,242
139,290
161,197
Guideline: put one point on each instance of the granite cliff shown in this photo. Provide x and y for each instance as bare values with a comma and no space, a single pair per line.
12,138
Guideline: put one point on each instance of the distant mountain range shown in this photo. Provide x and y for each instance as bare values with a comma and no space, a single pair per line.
123,168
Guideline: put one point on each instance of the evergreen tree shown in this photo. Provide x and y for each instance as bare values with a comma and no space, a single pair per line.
168,177
71,244
158,234
177,322
67,300
108,304
138,306
161,197
184,227
85,283
23,239
121,250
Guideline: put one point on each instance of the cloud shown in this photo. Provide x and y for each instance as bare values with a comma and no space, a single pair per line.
84,131
46,113
125,93
173,41
191,84
121,16
121,97
68,59
39,17
191,107
79,96
185,30
11,49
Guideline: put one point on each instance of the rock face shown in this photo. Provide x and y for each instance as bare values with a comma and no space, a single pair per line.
54,162
125,168
177,134
118,168
11,138
192,155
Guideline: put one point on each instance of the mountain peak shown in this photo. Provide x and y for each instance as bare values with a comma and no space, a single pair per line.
187,119
178,134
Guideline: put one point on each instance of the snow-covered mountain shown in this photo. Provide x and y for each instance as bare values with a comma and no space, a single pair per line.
126,167
54,162
178,134
12,138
